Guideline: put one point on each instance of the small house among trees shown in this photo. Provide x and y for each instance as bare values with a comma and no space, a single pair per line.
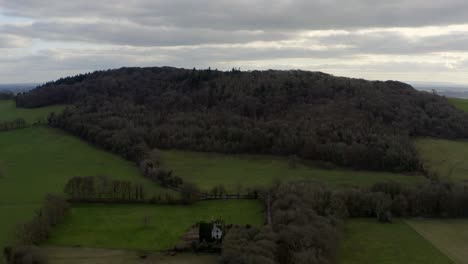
211,232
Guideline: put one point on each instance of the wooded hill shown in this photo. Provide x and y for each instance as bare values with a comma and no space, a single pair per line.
350,122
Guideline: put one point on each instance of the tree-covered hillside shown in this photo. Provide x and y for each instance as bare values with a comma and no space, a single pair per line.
317,116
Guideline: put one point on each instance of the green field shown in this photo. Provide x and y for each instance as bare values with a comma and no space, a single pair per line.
209,169
365,241
459,103
76,255
445,157
38,160
450,236
150,227
8,112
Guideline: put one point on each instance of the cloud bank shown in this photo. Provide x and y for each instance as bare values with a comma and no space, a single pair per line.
406,40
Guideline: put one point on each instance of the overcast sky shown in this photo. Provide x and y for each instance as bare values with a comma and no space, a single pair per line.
408,40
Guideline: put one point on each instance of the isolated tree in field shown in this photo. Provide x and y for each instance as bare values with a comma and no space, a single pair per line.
146,220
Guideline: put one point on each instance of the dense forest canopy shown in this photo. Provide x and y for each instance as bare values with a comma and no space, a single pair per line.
351,122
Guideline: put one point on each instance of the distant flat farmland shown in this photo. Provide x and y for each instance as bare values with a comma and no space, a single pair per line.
233,171
450,236
366,241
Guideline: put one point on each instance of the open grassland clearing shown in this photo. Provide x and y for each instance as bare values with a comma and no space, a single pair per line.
38,160
449,235
146,227
8,112
461,104
77,255
246,171
445,157
366,241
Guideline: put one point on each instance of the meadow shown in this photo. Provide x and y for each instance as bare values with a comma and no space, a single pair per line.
146,227
38,160
233,171
8,112
459,103
366,241
445,157
449,235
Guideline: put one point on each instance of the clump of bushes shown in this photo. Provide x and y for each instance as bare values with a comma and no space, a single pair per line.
24,255
36,231
38,228
151,169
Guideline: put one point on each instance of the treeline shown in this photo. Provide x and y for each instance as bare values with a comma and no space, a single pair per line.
306,218
6,95
15,124
103,189
36,231
350,122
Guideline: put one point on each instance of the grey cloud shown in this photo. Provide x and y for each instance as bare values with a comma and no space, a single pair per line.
51,64
252,15
134,35
13,42
397,43
221,34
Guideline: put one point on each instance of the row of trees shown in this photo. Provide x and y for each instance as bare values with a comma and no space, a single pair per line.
15,124
7,95
105,189
102,188
36,231
306,218
351,122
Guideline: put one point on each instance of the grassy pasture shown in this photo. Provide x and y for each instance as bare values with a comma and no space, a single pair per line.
8,112
365,241
461,104
75,255
445,157
450,236
146,227
210,169
38,160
